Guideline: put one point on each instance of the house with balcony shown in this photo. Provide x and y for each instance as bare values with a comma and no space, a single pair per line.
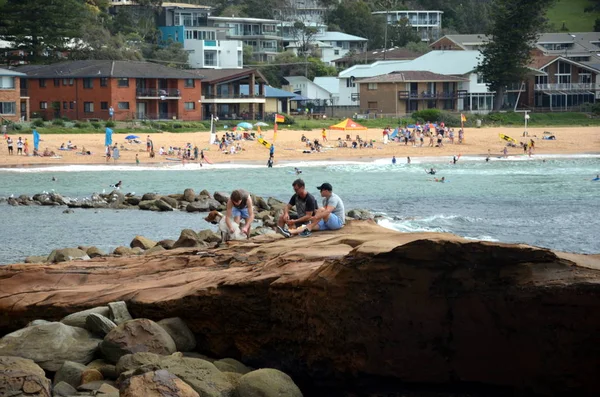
401,93
14,102
223,95
427,24
260,34
86,90
208,46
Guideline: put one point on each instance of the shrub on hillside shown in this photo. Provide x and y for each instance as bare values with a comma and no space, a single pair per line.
38,123
58,122
427,115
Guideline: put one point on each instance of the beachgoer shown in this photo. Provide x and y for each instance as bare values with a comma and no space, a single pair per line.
297,170
239,206
54,179
272,150
330,217
137,159
505,152
442,179
9,142
111,113
305,204
407,160
393,159
324,135
454,159
431,171
116,154
201,156
270,162
108,152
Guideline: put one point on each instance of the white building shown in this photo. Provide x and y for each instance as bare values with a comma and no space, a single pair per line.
307,11
302,86
428,24
331,85
332,45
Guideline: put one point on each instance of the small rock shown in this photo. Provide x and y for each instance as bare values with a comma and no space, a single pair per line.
188,238
94,252
180,332
166,244
267,382
99,324
189,195
68,211
221,197
78,319
118,312
159,383
67,254
70,373
123,251
142,242
36,259
63,389
153,250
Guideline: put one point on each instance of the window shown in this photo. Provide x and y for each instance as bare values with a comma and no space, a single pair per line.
42,83
372,86
67,82
88,107
8,108
71,105
56,82
541,79
88,83
564,68
103,81
480,79
103,105
123,105
65,105
43,105
336,52
210,58
190,83
585,76
122,82
7,83
350,83
372,105
190,105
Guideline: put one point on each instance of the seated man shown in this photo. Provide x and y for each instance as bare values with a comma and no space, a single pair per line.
239,206
305,204
331,216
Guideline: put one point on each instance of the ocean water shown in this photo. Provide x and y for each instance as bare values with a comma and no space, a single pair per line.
546,201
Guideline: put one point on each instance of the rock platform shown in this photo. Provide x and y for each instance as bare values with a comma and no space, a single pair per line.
338,308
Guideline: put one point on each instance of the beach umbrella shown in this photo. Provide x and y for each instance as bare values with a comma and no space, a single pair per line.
129,137
245,125
261,124
348,125
36,140
108,137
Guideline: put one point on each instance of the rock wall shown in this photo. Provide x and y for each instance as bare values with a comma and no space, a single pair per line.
363,303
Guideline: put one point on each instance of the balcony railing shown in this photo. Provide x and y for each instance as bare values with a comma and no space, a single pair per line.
157,93
231,96
568,87
426,95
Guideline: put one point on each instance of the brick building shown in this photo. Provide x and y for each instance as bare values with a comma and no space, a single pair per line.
409,91
10,97
86,90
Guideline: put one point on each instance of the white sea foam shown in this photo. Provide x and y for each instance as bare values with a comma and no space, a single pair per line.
373,164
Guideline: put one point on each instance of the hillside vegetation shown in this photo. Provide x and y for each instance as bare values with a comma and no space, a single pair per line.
570,13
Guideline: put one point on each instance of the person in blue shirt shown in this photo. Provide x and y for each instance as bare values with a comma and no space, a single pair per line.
394,160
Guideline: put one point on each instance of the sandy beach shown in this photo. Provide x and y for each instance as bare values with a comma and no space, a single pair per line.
572,140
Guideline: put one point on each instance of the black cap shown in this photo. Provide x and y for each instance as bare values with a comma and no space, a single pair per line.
325,186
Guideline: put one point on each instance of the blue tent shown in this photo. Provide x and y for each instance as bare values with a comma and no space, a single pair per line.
108,137
36,140
393,134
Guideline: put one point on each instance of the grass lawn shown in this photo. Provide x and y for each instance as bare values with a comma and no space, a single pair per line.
571,13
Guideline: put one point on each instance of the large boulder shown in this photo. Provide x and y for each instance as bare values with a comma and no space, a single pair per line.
159,383
142,242
260,203
202,376
203,204
139,335
267,382
232,365
131,362
189,195
155,249
221,197
123,251
50,345
170,200
150,197
133,200
67,254
148,205
167,243
162,205
188,238
208,236
184,338
78,319
275,204
94,252
22,377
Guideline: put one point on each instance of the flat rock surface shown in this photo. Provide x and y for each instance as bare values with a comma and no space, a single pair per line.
361,302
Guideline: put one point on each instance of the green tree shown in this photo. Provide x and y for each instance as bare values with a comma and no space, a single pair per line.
41,27
248,53
289,64
516,27
354,17
401,33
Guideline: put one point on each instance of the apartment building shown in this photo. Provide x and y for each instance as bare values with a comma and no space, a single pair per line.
307,11
329,46
86,90
260,34
14,104
427,24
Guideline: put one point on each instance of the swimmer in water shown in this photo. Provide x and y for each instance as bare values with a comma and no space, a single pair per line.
54,179
298,171
442,179
431,171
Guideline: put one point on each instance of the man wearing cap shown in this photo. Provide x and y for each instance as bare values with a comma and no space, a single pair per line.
331,216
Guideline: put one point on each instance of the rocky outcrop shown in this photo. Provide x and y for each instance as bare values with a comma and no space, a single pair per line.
22,377
352,308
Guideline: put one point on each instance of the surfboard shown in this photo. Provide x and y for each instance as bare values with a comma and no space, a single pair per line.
173,159
507,138
264,143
